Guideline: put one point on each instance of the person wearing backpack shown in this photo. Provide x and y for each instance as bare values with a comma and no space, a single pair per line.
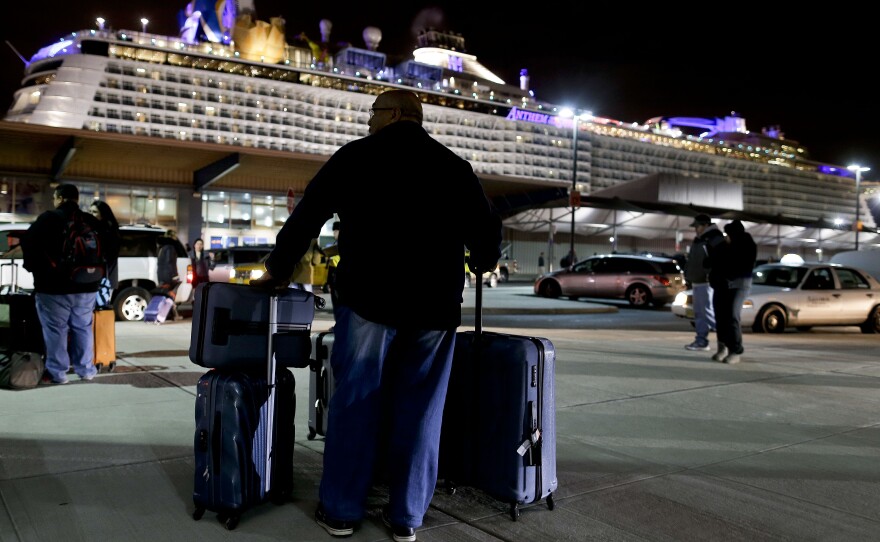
62,249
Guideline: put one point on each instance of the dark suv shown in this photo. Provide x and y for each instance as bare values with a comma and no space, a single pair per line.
641,280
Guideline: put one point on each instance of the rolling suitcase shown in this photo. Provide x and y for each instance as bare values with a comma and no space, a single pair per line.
321,383
499,423
244,435
158,308
104,329
230,324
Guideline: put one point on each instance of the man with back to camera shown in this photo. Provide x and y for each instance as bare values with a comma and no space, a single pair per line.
697,275
391,361
64,306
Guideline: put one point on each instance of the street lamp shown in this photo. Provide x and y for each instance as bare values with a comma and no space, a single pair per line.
574,195
858,169
100,21
144,22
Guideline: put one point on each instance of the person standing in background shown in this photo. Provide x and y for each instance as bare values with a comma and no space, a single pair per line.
541,268
166,269
201,263
110,245
738,259
65,306
697,276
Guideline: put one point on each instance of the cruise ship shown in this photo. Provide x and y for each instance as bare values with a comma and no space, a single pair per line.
231,81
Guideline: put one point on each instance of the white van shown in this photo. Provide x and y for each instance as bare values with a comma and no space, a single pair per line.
137,268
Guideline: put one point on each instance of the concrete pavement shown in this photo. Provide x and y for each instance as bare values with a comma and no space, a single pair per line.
653,443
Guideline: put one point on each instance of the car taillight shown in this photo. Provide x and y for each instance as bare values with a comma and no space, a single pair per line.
189,274
662,280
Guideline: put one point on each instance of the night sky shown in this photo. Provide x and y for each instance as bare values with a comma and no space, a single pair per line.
772,63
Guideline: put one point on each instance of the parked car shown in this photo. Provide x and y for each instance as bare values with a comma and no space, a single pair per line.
641,280
137,269
804,295
225,259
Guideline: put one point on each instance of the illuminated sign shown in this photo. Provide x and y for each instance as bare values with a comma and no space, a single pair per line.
455,64
539,118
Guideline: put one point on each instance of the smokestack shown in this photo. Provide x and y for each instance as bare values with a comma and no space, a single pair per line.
372,37
326,26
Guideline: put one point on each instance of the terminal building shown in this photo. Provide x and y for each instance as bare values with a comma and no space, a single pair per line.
215,132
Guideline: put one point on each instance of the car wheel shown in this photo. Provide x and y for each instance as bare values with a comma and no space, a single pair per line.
493,281
638,295
505,275
872,324
771,320
130,304
551,289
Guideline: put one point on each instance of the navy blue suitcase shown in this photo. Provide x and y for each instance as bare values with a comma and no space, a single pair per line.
232,445
244,431
499,422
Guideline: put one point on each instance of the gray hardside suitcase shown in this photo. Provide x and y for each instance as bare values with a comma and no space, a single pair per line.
499,423
321,383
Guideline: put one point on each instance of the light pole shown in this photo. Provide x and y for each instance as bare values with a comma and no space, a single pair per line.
100,21
575,195
144,22
858,169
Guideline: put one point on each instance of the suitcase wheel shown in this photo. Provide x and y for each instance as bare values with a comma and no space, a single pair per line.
230,522
99,367
550,504
198,513
111,367
450,488
312,433
514,511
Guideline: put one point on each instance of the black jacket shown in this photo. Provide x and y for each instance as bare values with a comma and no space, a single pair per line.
166,262
429,206
42,246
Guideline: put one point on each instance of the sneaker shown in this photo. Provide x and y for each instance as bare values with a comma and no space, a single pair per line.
87,378
400,533
334,527
47,380
720,354
696,346
732,358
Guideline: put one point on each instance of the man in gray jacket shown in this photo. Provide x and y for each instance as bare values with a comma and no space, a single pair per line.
697,275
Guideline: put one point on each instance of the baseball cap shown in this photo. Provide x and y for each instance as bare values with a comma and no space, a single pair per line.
701,220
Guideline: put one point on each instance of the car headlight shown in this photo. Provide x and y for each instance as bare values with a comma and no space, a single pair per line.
256,273
680,299
231,274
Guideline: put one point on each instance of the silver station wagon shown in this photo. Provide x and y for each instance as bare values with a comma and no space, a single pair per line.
641,280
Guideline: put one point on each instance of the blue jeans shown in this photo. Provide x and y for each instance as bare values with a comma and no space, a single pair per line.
704,313
390,392
67,332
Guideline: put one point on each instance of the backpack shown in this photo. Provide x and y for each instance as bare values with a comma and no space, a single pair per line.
81,255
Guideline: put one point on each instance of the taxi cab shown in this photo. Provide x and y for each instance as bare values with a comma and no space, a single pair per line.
802,296
246,272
